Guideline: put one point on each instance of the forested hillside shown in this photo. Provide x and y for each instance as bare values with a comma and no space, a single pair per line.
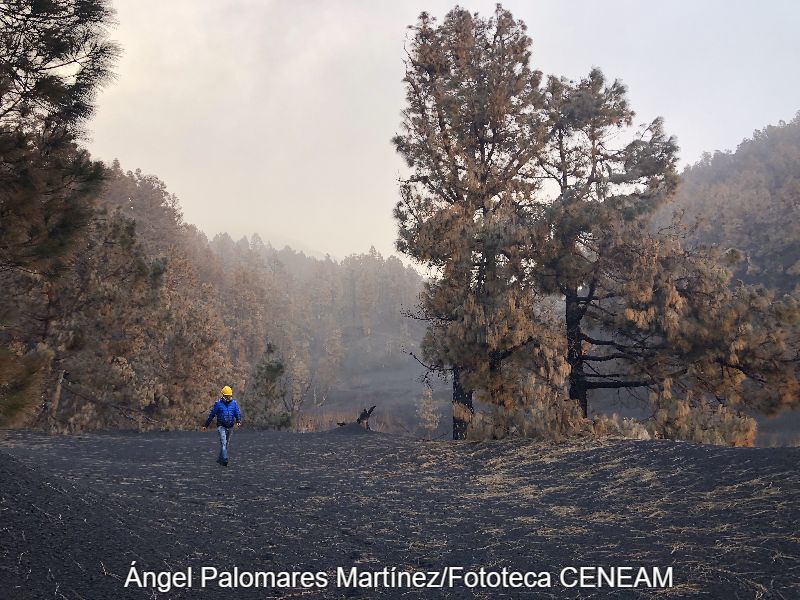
149,319
749,201
528,199
118,314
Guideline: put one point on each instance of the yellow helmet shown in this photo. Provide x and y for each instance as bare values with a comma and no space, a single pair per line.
227,391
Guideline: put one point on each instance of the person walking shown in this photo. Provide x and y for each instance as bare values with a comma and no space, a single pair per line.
227,413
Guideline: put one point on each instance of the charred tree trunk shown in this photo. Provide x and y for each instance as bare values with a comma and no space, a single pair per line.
462,407
577,379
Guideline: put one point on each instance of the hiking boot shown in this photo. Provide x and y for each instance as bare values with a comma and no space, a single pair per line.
224,463
221,462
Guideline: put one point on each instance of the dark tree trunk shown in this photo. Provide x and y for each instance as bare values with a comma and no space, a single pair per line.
462,406
577,379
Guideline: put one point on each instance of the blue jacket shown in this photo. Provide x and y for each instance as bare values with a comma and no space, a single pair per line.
226,411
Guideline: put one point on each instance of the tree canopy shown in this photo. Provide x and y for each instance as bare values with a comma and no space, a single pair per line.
54,54
471,134
527,194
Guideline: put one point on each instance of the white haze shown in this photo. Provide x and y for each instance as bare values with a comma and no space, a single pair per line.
276,117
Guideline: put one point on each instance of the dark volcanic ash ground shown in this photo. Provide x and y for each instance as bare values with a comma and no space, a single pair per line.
75,511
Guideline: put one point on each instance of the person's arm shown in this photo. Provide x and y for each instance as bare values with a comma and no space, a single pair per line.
237,413
211,414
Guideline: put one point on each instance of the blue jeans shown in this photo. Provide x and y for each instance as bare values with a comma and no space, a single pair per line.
224,440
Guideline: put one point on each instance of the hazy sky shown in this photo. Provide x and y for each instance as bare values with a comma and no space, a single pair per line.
276,116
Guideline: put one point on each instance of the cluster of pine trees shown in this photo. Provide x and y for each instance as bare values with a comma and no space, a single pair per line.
532,198
561,267
147,319
118,314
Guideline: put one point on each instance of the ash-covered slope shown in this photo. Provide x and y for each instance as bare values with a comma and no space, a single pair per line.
725,519
61,540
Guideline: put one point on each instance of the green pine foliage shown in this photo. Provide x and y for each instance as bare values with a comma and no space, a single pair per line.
54,55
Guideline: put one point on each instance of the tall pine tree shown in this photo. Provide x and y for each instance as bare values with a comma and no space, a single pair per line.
472,132
53,57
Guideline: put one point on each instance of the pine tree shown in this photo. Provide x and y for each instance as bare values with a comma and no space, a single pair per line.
602,193
521,194
264,393
643,310
471,134
53,57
